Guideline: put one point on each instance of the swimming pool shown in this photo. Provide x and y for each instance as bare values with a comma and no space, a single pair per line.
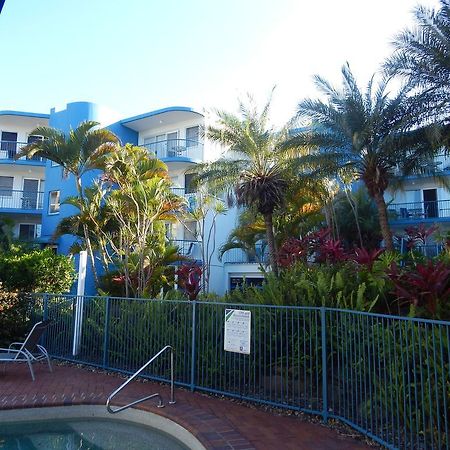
91,428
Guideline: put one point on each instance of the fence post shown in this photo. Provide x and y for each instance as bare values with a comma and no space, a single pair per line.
106,334
324,364
194,344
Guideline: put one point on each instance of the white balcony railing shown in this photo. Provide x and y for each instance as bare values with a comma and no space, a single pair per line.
21,200
10,149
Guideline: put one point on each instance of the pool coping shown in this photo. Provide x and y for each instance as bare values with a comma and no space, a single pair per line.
219,423
79,412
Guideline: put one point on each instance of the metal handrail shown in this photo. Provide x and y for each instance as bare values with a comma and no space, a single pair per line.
160,403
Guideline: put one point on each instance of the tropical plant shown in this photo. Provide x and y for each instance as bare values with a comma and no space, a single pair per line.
124,212
189,279
422,57
247,236
81,150
356,209
426,288
371,133
255,170
203,213
6,233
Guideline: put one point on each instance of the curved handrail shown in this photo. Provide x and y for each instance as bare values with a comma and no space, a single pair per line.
160,404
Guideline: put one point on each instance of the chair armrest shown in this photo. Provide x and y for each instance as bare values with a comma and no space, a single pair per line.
19,344
10,350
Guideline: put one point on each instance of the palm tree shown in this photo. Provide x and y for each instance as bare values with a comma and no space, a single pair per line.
422,57
81,150
255,171
370,133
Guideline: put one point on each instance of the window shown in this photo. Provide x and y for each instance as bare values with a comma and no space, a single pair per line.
54,203
163,145
8,145
27,231
6,186
192,136
188,188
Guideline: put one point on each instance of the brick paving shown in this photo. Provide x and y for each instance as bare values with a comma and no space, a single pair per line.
218,423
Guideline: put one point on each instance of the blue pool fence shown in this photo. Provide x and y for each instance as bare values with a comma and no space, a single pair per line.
386,376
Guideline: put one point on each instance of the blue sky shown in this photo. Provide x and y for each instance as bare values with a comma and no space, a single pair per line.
134,56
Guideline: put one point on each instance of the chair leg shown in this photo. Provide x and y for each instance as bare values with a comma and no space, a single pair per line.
45,353
31,369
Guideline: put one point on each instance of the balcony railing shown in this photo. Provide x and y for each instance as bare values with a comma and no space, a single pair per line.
419,210
190,249
239,256
10,149
21,200
177,148
190,197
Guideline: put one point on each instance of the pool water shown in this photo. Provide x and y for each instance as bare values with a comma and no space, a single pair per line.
92,434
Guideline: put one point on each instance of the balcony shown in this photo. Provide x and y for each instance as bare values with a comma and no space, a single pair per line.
439,165
239,256
189,249
190,197
431,211
177,150
29,202
9,150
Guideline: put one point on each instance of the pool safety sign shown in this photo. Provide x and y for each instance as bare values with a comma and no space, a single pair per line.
237,331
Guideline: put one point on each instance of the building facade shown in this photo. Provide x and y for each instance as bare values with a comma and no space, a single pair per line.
32,190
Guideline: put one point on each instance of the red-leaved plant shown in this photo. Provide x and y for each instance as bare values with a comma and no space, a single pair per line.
366,258
189,278
425,286
417,235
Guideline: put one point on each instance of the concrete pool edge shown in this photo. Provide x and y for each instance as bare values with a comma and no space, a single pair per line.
135,416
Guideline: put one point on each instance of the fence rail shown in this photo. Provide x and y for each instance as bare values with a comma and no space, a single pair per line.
386,376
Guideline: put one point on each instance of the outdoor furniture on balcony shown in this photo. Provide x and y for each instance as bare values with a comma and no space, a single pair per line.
419,210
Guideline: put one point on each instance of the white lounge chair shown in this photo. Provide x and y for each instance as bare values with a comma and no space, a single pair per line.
28,351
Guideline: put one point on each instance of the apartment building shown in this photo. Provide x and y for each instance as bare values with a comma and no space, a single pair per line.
422,198
31,190
22,181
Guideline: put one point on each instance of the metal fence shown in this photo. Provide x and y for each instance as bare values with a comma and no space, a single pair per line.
386,376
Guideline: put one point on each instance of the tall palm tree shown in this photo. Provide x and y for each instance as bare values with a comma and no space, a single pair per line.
422,57
369,132
255,170
81,150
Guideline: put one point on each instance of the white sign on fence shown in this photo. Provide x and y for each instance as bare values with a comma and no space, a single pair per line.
237,331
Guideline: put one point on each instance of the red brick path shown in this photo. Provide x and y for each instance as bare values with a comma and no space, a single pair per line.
217,423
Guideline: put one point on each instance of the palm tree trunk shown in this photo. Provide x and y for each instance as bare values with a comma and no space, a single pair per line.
383,219
86,236
268,220
354,206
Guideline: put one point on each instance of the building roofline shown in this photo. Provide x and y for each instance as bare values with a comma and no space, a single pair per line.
24,114
159,111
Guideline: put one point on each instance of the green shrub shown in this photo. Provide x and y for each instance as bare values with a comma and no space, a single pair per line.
338,286
36,271
13,316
